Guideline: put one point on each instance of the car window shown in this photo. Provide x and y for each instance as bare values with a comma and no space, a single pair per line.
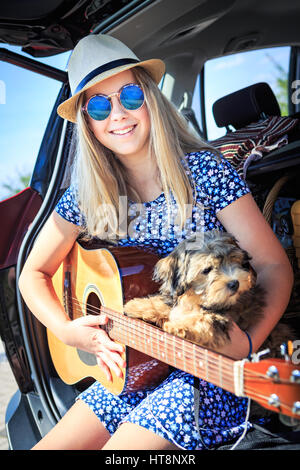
227,74
26,101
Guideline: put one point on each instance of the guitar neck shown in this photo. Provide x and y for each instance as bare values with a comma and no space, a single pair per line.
172,350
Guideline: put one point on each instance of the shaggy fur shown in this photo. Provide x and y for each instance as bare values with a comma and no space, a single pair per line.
206,283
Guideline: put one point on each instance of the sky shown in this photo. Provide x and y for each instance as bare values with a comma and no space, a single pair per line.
26,100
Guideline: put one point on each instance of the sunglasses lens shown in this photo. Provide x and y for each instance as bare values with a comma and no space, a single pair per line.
132,97
98,108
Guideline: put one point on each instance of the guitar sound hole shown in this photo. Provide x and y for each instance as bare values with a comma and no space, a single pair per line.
93,304
92,307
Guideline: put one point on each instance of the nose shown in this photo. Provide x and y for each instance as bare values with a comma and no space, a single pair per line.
117,110
233,285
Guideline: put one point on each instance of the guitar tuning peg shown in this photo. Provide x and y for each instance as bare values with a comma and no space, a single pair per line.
295,376
274,400
296,408
273,373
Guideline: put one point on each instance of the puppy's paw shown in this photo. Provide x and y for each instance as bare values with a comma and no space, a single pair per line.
221,326
175,329
151,309
135,307
209,331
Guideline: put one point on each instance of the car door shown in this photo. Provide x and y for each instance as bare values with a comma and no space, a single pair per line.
22,215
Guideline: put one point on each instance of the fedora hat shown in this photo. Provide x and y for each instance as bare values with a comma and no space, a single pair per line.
95,58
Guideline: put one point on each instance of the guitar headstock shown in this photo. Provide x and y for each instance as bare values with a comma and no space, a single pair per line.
274,384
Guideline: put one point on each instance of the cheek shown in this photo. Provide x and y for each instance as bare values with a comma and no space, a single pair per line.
97,128
144,118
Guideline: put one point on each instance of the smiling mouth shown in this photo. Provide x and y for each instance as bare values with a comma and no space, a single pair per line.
123,131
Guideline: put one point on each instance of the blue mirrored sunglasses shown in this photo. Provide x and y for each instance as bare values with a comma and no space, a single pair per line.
131,97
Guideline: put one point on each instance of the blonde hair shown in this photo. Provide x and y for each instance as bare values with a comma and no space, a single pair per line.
101,178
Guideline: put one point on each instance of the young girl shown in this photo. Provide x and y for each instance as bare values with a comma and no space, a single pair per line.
132,143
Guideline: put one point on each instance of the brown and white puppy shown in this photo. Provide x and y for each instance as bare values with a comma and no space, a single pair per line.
206,284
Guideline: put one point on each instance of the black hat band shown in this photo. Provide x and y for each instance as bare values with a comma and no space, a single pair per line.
103,68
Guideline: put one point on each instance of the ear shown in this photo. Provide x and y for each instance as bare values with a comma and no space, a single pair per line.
230,239
247,260
165,272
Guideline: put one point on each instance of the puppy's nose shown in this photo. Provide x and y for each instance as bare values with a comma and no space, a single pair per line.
233,285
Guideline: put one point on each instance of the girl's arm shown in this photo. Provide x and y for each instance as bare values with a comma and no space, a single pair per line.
51,247
245,222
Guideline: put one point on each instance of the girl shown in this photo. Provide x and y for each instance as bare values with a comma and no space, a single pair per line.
132,143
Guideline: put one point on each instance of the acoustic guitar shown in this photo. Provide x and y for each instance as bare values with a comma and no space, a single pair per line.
94,279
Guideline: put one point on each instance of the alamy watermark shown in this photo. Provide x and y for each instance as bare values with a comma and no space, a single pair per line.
295,356
142,221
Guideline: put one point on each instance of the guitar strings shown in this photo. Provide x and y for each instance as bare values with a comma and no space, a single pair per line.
264,398
138,328
124,322
211,375
216,374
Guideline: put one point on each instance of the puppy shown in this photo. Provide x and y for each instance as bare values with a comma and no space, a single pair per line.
206,284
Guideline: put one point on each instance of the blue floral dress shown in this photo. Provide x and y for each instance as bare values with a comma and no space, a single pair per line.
168,410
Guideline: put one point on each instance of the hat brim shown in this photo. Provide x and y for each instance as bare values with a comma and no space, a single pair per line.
155,67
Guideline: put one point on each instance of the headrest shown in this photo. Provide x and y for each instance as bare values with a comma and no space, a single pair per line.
247,105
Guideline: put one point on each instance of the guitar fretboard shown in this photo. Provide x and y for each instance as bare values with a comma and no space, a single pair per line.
171,349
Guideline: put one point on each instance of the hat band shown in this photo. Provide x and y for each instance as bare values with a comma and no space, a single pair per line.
103,68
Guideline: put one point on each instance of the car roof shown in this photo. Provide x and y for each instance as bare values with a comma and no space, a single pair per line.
211,28
48,27
207,28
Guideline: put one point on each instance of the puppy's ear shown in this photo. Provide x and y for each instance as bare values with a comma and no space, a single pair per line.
165,272
246,263
171,272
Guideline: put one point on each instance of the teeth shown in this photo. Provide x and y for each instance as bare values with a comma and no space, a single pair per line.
124,131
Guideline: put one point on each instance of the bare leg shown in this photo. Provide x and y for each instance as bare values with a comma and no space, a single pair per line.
130,436
79,429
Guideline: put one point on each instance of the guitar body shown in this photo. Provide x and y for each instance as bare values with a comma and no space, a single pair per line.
92,277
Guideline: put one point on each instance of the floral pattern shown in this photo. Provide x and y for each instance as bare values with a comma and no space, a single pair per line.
168,410
216,185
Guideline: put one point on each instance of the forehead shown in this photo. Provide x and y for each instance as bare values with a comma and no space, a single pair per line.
112,84
217,259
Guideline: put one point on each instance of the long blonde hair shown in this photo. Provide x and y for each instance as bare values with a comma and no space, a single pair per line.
100,177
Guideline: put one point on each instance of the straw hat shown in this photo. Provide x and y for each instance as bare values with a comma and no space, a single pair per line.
95,58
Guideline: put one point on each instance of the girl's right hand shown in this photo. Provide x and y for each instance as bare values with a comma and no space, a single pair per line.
84,333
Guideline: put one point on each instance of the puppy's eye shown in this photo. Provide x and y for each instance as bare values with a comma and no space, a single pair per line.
207,270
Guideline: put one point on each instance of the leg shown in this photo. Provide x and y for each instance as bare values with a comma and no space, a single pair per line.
79,429
130,436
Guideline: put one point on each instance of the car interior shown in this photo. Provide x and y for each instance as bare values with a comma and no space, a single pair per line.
185,35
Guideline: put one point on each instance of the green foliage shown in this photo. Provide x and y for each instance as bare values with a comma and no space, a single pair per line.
17,184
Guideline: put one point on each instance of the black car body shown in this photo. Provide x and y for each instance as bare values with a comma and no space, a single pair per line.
185,35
